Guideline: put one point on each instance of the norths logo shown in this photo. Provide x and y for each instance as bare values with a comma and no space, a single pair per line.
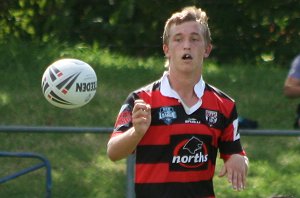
190,153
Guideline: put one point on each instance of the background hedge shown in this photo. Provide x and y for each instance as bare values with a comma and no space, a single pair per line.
245,30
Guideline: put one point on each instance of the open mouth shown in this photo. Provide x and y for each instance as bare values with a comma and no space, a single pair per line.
187,57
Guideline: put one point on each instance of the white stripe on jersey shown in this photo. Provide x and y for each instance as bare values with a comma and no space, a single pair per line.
236,134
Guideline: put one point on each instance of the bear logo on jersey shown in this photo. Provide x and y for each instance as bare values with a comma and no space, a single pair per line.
193,145
189,152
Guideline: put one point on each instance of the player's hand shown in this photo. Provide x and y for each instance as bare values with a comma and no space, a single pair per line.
236,168
141,117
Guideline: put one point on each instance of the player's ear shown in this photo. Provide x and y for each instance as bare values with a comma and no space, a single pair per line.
208,49
166,50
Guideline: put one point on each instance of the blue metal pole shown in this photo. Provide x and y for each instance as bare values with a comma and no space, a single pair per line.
45,162
54,129
22,172
130,176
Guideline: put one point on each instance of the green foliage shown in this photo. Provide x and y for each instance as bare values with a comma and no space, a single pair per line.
80,167
267,30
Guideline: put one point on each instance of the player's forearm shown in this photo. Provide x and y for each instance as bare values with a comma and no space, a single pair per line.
122,145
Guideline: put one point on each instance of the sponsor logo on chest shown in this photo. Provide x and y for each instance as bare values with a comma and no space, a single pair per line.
189,152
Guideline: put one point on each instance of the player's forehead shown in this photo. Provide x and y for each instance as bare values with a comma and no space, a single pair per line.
189,28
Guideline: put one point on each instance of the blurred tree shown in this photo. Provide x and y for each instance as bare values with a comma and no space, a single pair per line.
261,30
241,29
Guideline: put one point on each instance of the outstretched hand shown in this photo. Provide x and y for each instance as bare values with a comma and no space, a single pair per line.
236,168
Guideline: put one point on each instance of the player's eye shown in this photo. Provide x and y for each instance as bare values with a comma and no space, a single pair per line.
177,39
194,39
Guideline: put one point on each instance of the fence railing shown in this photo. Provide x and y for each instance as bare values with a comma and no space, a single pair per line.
45,163
72,129
130,160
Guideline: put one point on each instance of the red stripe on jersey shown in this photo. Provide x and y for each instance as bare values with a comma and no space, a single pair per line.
226,157
155,99
228,135
160,135
211,100
116,133
159,173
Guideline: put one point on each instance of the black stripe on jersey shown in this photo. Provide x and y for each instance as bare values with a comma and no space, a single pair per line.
233,115
230,147
131,98
123,127
153,154
150,87
175,190
183,118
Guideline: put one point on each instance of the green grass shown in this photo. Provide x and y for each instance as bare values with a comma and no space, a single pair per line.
80,167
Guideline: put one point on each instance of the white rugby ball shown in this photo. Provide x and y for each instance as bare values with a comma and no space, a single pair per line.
69,83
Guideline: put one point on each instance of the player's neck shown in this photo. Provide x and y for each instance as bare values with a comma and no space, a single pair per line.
184,86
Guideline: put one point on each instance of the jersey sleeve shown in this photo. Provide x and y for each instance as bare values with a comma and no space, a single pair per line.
124,118
229,142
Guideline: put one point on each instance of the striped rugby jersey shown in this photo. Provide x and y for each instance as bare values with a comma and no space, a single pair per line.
177,155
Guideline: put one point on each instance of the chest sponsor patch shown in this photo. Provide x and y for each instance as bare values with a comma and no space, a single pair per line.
189,152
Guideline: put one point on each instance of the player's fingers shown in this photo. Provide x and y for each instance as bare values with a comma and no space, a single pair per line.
240,185
141,105
234,180
244,181
141,113
229,175
139,101
138,121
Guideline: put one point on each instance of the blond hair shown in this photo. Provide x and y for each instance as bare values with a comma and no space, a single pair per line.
188,14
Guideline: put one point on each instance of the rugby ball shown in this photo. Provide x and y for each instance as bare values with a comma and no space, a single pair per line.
69,83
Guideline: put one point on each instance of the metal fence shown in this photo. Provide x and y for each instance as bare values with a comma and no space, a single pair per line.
130,160
71,129
45,163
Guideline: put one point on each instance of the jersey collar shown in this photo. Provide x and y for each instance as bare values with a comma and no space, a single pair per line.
166,89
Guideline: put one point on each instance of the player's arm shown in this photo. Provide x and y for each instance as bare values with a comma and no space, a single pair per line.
235,161
236,168
291,87
123,144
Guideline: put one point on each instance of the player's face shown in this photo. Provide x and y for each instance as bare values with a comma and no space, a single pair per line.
186,48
